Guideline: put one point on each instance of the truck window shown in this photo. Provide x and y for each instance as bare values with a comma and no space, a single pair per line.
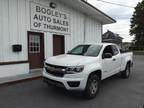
86,50
115,50
78,50
108,49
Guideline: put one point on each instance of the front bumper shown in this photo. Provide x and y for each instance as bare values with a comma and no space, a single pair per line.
68,81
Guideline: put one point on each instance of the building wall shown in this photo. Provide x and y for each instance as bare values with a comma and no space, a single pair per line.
15,22
93,30
12,29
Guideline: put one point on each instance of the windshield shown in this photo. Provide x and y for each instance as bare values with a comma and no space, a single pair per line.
86,50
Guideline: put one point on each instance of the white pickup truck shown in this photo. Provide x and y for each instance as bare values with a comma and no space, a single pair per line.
85,66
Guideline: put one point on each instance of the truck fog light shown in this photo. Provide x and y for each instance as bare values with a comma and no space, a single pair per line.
73,83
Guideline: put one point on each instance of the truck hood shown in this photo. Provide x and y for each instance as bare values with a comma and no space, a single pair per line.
70,60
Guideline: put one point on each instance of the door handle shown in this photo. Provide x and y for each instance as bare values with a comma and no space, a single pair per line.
114,59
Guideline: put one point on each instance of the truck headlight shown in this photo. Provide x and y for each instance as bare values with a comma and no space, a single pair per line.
74,69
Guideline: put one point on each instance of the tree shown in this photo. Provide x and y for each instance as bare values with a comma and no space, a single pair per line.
137,24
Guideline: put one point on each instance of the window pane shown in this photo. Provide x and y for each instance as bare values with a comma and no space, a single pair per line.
115,50
34,44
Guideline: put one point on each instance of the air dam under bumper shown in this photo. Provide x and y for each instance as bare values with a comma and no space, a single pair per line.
69,81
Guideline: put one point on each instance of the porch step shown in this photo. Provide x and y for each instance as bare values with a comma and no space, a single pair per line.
33,74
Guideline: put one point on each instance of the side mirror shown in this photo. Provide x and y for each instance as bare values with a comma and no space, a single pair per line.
107,55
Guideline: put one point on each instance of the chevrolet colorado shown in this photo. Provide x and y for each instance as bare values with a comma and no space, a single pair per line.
85,66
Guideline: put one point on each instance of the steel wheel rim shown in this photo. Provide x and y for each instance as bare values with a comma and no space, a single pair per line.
94,86
128,71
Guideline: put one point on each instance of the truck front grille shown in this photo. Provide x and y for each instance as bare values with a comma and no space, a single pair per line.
55,70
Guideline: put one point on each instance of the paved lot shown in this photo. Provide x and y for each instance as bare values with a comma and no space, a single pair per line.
115,93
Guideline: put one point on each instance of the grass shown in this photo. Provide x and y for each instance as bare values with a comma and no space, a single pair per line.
138,52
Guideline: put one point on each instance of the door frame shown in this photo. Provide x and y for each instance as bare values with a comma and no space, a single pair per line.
43,45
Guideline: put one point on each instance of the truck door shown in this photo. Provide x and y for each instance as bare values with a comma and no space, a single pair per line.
108,64
117,59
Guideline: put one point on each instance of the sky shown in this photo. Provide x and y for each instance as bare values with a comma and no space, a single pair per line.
121,14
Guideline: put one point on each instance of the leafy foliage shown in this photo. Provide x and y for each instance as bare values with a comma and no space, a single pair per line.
137,24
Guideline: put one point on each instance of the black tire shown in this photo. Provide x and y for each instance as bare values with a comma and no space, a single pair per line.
92,87
126,73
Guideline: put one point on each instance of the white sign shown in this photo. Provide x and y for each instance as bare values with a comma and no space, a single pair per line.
47,19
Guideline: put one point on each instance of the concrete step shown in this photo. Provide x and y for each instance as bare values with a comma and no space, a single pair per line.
33,74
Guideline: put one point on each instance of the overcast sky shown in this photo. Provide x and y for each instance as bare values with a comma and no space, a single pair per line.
121,14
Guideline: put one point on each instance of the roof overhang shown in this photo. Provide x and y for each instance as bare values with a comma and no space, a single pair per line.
89,10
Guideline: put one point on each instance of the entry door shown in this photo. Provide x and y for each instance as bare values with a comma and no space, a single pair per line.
58,45
35,50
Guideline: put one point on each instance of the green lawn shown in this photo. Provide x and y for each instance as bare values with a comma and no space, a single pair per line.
138,52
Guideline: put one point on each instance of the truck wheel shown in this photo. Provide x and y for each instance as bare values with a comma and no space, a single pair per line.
92,87
126,72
